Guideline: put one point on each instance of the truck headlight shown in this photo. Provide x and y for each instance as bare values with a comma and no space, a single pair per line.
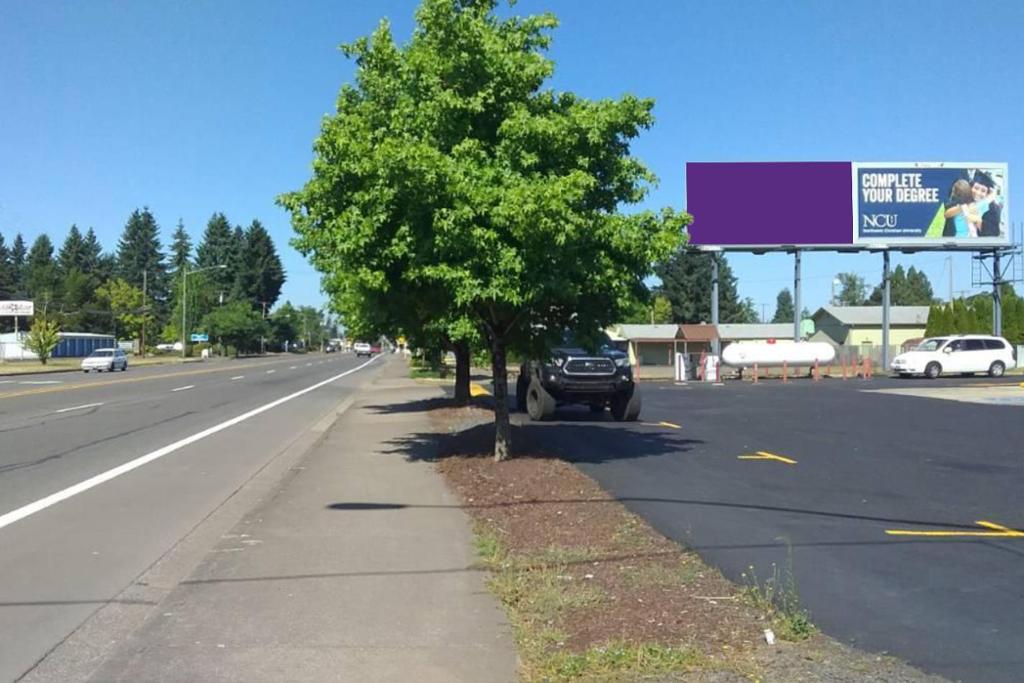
622,362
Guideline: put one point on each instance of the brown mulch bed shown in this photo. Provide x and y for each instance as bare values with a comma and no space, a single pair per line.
546,513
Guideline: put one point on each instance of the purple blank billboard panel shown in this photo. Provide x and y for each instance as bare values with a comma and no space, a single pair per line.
770,204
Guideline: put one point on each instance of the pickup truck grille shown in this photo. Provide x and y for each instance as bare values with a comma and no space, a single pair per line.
590,366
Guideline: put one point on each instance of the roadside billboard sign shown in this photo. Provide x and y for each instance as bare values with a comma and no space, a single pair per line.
847,205
17,308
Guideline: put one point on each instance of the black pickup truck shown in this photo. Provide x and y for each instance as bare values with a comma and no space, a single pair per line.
571,375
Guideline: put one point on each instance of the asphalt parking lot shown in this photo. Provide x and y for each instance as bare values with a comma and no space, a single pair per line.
895,503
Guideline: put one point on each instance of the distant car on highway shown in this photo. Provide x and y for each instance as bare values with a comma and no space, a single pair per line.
363,349
105,359
965,354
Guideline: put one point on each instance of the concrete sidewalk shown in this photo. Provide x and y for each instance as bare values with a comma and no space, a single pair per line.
358,568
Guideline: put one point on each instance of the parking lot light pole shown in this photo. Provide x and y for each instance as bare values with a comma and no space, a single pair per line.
185,272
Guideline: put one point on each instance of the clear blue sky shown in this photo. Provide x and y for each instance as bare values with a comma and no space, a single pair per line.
197,107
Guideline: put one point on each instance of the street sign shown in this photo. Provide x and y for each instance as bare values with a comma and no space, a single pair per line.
200,337
17,308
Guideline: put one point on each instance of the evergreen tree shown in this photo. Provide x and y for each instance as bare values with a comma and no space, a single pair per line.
41,278
6,272
260,272
138,253
214,250
686,281
784,307
93,262
907,288
237,267
181,249
73,253
18,258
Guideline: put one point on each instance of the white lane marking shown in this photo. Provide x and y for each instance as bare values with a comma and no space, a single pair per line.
238,377
271,372
47,381
308,364
188,386
82,486
7,381
83,407
291,367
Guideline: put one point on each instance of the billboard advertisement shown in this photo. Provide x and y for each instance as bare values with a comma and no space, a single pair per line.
963,204
843,204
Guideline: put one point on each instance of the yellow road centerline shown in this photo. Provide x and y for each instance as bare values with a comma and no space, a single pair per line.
670,425
127,380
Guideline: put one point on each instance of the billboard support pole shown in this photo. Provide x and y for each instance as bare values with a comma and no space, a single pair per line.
714,302
796,295
997,303
886,298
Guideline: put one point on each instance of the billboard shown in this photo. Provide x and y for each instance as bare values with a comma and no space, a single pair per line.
842,204
17,308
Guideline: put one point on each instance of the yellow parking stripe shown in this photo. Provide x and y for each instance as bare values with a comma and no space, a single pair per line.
765,455
997,531
477,390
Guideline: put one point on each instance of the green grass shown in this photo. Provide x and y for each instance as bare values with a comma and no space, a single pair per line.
538,589
674,573
777,597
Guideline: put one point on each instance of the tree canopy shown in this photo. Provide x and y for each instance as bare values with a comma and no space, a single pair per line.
784,307
686,281
449,174
909,287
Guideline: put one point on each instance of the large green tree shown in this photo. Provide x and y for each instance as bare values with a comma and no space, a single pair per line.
236,324
686,281
261,274
42,281
449,168
906,288
215,249
852,290
18,258
73,253
124,301
140,261
784,307
6,272
181,249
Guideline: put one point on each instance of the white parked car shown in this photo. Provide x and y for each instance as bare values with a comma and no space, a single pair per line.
362,349
105,359
963,353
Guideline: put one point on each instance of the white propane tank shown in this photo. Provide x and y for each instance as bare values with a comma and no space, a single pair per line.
768,355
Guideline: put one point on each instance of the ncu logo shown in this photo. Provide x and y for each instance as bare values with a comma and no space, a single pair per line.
879,220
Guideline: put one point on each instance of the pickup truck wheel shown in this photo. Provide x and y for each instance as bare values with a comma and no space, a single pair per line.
539,403
626,406
522,386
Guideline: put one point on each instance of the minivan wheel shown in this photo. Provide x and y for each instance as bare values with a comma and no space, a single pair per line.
933,370
996,369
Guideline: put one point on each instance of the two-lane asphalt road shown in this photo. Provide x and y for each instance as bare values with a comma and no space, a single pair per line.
100,475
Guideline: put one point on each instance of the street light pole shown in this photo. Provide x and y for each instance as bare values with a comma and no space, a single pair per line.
185,272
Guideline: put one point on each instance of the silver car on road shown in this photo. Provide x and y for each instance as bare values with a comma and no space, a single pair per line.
105,359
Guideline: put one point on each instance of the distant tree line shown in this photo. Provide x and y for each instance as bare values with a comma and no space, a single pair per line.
139,286
974,315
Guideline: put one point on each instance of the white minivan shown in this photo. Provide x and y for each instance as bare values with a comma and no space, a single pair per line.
964,354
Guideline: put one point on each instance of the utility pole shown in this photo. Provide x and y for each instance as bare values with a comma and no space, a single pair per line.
949,261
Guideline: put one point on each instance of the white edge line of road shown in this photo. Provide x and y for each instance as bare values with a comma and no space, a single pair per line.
237,377
82,407
188,386
103,477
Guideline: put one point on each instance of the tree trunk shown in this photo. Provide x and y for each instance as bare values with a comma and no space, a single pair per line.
502,429
461,373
